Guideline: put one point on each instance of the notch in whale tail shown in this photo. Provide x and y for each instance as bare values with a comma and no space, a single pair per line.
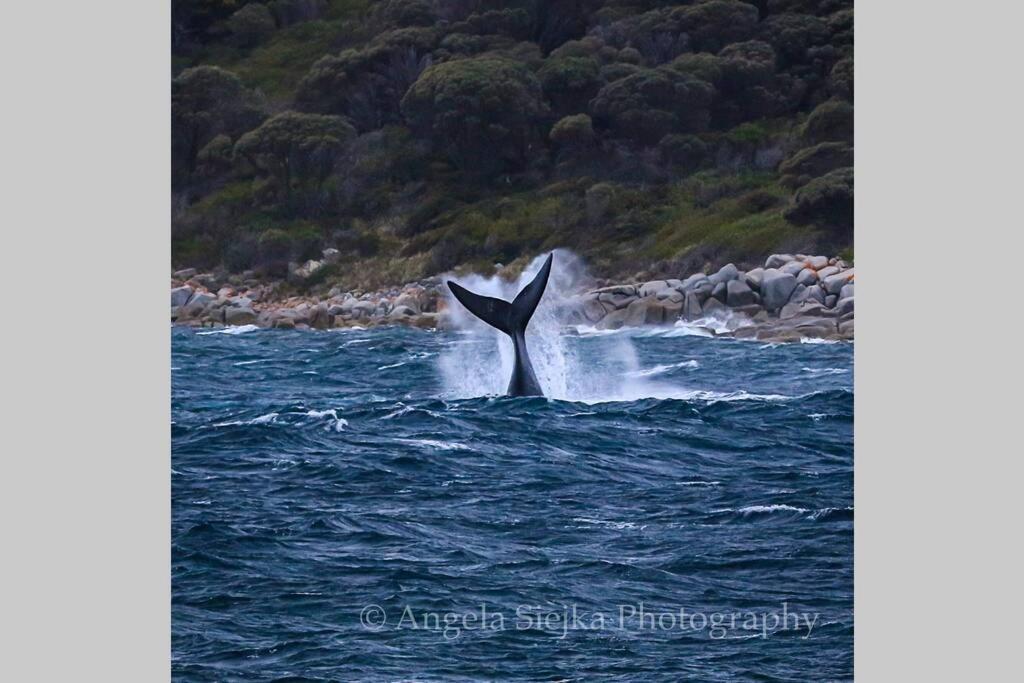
512,319
509,317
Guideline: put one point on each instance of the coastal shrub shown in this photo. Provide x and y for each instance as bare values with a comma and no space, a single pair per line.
294,147
367,85
840,79
793,35
252,24
573,131
652,103
569,83
288,12
274,248
207,101
815,161
404,13
826,202
483,113
662,34
686,153
831,121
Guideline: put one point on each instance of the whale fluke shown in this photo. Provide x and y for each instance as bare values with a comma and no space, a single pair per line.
512,319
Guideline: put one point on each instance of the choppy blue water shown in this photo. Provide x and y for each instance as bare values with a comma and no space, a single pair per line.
321,478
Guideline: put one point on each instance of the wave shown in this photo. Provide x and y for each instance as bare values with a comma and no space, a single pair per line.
662,369
233,329
269,418
825,371
437,445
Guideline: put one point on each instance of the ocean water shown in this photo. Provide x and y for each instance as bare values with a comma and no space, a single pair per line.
361,505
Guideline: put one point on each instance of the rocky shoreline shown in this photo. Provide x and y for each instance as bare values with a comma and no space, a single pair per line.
792,297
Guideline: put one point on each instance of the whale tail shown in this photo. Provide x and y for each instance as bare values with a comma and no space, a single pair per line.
511,317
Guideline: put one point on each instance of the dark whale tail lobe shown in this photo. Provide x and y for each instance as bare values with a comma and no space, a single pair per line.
512,319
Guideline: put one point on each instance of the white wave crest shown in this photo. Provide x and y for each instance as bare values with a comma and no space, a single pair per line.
234,329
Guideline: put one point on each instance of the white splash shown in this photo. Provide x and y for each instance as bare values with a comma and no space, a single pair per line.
480,362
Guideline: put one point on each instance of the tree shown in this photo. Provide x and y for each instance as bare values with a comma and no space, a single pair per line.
295,147
484,113
251,24
207,101
367,85
652,103
570,83
826,202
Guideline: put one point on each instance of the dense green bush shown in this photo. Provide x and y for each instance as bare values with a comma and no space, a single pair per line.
367,85
831,121
649,104
207,101
815,161
570,83
826,202
483,113
252,24
294,147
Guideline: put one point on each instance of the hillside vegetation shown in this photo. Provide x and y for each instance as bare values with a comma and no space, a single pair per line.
418,136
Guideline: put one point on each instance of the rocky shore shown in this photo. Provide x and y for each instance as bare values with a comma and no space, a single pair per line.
791,297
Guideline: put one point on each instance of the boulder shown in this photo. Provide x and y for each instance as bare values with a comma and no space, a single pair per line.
652,288
674,284
739,294
719,292
750,310
646,311
617,299
320,317
830,301
673,310
801,309
198,303
694,281
777,260
776,288
725,274
239,315
670,295
285,323
846,329
817,294
844,306
827,271
793,267
846,291
753,278
331,255
833,284
807,277
184,274
692,309
800,293
593,310
629,290
613,320
714,307
400,311
409,301
180,296
817,262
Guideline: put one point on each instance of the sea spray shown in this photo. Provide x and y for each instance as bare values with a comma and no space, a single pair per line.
480,363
